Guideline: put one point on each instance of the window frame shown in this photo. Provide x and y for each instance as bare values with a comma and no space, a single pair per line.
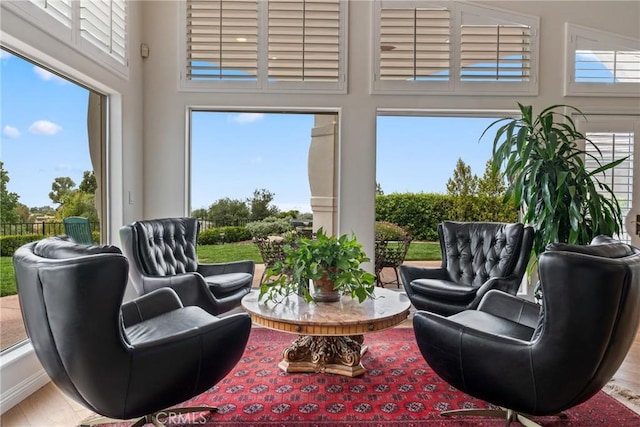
455,86
572,88
262,83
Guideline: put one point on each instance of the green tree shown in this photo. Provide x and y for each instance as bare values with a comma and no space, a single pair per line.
8,200
463,182
379,191
78,203
463,186
89,183
200,213
23,213
229,211
260,208
492,182
60,187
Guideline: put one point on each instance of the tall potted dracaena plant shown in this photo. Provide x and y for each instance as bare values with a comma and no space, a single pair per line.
547,179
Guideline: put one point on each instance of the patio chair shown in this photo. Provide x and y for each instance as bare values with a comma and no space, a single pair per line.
79,229
390,253
271,250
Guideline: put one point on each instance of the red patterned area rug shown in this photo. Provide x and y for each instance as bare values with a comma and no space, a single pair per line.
398,389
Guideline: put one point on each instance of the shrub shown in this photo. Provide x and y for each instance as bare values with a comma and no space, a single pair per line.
388,231
270,226
9,244
213,235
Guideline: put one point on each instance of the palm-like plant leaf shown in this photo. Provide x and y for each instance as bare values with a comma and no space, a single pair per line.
547,177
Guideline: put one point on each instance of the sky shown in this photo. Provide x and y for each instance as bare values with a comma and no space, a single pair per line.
44,136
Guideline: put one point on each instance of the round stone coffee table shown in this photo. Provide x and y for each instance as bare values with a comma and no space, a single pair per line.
331,334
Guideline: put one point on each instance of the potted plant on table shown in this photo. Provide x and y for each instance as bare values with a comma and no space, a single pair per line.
547,178
332,263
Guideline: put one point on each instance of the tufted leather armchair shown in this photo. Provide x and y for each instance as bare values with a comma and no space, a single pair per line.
513,354
476,257
162,253
120,361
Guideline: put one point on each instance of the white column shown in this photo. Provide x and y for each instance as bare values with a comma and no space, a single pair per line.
322,172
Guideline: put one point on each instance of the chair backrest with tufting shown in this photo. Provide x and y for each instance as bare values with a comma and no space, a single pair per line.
474,252
167,246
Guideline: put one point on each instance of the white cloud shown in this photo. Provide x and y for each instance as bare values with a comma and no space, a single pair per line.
4,54
44,127
247,117
10,132
46,75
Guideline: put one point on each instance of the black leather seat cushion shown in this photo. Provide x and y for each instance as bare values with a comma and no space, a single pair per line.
228,282
185,322
491,324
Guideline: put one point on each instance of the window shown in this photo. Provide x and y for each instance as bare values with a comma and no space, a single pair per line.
96,28
615,139
264,45
600,63
451,47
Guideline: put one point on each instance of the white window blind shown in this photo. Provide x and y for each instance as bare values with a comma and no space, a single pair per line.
453,47
222,39
103,23
60,10
414,44
495,52
270,45
614,146
304,40
601,63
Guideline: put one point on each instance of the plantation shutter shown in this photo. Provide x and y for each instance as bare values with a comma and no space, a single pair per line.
60,10
491,50
304,40
614,146
222,39
597,62
103,24
414,44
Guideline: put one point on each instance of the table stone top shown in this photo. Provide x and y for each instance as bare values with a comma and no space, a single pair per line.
347,316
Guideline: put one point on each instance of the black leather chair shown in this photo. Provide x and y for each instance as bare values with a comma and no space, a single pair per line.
476,258
517,356
120,361
162,253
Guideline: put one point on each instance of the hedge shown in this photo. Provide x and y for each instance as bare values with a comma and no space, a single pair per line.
420,213
213,235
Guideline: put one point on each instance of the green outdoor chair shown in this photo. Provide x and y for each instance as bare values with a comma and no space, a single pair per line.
79,229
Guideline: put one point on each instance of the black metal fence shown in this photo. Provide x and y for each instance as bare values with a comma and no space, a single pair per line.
43,228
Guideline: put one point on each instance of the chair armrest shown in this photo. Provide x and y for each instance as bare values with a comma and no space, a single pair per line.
190,287
508,284
227,267
150,305
511,307
408,273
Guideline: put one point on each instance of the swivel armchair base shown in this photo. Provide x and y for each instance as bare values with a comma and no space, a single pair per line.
507,414
148,419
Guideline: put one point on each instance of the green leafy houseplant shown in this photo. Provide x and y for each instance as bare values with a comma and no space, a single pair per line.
547,178
337,259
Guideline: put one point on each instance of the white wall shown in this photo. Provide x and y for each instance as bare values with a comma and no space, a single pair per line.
165,105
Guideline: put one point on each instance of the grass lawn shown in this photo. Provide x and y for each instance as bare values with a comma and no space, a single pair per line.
418,251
